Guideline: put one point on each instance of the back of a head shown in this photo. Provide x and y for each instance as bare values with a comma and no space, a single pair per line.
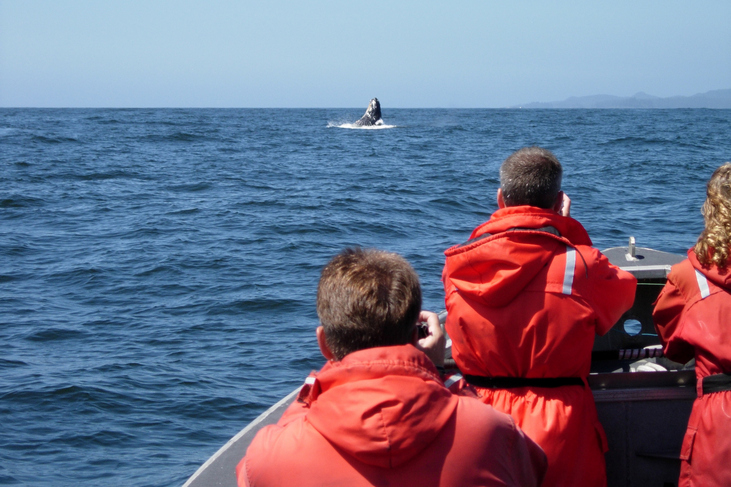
531,176
366,299
713,243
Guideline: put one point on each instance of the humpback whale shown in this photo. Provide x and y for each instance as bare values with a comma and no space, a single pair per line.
372,115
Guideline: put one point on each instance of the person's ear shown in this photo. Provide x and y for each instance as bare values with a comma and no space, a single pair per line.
324,349
500,200
559,202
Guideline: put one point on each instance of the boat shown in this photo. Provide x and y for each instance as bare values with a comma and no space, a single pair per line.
644,413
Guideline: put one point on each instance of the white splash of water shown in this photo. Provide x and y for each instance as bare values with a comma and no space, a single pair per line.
349,125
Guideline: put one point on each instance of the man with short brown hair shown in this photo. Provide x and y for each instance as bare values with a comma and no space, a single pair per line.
531,177
378,412
525,296
367,299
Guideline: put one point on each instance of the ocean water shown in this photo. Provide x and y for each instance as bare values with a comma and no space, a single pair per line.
158,267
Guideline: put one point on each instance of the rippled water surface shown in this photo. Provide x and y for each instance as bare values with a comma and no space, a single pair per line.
158,268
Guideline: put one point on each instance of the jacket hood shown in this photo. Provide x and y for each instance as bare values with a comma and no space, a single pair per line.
507,252
382,406
712,273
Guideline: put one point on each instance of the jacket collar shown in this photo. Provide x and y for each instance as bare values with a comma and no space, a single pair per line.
531,217
712,273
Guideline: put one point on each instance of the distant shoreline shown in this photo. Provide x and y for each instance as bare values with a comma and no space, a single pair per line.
715,99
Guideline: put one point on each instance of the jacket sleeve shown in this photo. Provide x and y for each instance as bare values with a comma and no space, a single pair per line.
667,315
611,290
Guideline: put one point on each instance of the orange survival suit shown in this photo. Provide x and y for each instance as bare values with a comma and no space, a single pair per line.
693,317
382,416
525,297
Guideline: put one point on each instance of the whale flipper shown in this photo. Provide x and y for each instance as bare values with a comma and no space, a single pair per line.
372,115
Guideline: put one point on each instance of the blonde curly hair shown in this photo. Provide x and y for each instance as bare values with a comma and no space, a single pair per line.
713,243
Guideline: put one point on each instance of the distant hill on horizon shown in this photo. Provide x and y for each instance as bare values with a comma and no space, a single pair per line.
710,99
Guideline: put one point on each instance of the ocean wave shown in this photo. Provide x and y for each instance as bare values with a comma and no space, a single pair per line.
54,140
106,175
184,211
7,363
56,334
36,394
176,137
192,187
21,202
96,438
645,142
157,269
251,306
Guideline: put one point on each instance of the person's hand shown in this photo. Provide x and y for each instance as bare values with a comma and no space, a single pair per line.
565,209
434,343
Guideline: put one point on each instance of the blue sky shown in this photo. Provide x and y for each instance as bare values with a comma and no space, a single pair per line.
221,53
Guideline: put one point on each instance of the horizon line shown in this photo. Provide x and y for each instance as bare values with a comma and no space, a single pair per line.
337,108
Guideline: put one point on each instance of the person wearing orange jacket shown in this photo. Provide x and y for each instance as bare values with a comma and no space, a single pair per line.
692,316
525,296
378,413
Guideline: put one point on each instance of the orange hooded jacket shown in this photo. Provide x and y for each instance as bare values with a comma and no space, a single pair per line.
382,416
692,317
525,297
